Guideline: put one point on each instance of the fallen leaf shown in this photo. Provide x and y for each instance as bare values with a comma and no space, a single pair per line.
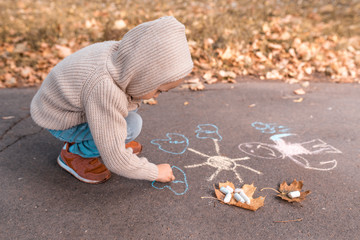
299,91
150,101
305,84
207,76
294,186
63,51
119,24
275,46
193,84
26,71
299,100
227,54
8,117
327,8
211,81
10,81
227,74
249,190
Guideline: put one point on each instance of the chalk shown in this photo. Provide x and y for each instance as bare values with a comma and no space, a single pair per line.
224,190
237,190
294,194
243,195
231,190
238,198
227,197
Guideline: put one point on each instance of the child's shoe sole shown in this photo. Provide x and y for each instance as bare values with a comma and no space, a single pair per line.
72,172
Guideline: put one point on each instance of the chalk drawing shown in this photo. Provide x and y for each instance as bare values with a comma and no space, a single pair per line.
204,131
174,144
221,163
293,151
180,182
269,127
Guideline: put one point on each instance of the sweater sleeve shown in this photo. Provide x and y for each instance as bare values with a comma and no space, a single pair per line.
105,109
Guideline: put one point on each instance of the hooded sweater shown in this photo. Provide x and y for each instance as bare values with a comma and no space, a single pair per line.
97,84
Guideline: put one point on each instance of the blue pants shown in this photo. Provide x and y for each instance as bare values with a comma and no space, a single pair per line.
84,144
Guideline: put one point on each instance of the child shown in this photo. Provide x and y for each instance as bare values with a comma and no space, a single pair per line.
89,100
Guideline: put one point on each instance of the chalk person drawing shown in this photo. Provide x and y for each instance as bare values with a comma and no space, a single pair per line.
174,144
300,153
178,186
221,163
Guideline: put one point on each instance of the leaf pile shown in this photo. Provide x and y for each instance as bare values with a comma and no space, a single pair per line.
288,40
249,190
294,186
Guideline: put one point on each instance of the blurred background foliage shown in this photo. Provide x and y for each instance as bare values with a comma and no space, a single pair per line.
290,40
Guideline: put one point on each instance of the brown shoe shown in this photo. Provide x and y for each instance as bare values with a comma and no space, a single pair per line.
89,170
136,147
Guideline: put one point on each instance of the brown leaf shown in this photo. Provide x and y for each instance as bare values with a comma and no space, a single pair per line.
209,79
63,51
150,101
26,72
227,54
249,190
299,91
294,186
227,74
193,84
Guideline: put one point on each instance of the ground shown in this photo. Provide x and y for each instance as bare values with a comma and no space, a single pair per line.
315,140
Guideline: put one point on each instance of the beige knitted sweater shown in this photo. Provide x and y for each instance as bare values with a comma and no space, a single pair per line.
96,85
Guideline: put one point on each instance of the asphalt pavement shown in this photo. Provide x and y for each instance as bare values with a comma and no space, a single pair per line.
254,132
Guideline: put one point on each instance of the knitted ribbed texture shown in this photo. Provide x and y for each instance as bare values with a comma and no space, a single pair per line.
96,83
153,53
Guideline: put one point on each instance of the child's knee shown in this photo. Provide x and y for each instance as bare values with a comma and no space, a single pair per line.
134,120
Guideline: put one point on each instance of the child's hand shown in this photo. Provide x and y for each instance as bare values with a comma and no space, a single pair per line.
165,173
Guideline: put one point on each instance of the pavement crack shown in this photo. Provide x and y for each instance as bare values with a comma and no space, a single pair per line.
19,138
13,125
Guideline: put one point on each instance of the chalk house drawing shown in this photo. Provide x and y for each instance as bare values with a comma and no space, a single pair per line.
182,182
174,144
294,151
221,163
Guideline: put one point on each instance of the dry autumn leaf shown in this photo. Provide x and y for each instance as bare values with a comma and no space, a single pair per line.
299,91
299,100
294,186
150,101
249,190
193,84
63,51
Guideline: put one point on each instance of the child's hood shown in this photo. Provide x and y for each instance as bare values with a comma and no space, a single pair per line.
149,55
